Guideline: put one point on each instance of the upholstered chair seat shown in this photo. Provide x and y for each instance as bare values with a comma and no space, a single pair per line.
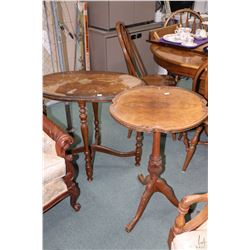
191,240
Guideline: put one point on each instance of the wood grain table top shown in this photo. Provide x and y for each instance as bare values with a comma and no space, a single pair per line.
162,109
87,85
182,57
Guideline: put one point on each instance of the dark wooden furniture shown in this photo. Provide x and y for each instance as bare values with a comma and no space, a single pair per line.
94,87
196,223
200,86
191,18
57,187
157,110
134,63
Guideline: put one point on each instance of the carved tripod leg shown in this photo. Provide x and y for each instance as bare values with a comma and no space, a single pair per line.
165,189
144,180
191,148
85,133
138,149
149,190
155,169
96,122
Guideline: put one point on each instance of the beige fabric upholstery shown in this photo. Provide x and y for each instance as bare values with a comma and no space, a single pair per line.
192,240
52,190
54,169
53,165
48,144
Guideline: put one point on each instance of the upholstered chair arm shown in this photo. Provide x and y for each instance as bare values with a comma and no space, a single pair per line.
62,139
181,225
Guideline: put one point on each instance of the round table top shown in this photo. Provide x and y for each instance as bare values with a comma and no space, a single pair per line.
161,109
179,61
87,85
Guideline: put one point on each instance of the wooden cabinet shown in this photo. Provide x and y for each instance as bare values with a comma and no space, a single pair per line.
105,14
106,53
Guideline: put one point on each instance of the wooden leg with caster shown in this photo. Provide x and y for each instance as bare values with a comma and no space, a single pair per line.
153,182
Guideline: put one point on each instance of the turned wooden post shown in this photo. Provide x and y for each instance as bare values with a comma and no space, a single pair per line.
85,134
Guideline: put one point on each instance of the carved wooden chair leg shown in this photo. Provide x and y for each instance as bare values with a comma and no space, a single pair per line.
180,136
74,194
129,133
73,188
185,140
192,147
174,136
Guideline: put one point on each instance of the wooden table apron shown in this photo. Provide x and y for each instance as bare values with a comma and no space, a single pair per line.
94,87
184,62
157,110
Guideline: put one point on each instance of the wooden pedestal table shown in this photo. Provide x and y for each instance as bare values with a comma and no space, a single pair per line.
157,110
94,87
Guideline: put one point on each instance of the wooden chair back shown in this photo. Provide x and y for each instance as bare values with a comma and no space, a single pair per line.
156,34
132,57
192,19
200,82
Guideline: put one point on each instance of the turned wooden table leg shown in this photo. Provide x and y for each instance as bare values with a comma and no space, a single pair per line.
138,149
153,182
84,130
96,122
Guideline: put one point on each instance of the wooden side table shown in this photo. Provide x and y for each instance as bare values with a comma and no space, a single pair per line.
157,110
94,87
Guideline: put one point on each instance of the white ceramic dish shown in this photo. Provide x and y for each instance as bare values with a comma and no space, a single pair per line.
188,44
199,37
171,38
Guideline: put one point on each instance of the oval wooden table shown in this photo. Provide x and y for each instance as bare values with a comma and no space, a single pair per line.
94,87
157,110
179,61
